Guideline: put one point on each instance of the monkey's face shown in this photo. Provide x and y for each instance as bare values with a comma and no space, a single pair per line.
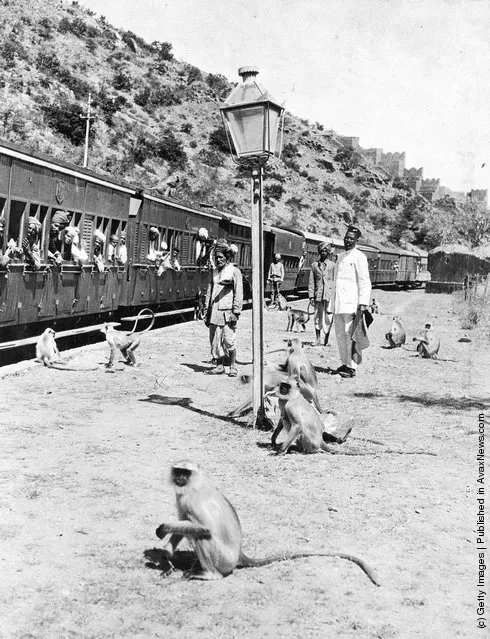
51,333
104,329
181,476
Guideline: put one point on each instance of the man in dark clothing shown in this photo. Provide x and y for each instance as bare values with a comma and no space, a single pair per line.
320,289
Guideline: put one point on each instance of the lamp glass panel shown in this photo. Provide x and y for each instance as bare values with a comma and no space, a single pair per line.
272,128
247,128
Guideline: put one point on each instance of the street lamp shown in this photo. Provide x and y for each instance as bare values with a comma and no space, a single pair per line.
253,122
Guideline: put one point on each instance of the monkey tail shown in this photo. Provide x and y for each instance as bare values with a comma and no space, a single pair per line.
147,310
251,562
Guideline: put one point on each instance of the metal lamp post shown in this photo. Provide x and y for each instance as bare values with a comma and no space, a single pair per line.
253,122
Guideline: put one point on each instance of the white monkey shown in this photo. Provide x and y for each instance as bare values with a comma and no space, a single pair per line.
46,349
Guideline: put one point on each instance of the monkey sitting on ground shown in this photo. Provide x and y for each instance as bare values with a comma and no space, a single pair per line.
397,335
212,526
299,419
298,317
127,343
428,347
46,350
374,306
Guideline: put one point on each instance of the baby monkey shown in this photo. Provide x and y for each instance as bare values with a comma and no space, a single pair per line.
212,526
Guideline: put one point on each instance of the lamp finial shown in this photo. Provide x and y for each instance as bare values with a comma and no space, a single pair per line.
248,72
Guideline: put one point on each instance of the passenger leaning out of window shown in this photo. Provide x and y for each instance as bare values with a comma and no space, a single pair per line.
11,252
59,222
78,254
122,253
99,241
31,244
153,238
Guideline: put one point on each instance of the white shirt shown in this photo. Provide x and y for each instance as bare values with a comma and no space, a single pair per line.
352,283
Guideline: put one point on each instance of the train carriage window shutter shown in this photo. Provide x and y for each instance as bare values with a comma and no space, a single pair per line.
184,251
87,230
136,242
144,243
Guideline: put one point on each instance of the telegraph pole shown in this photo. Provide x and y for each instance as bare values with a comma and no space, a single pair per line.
87,119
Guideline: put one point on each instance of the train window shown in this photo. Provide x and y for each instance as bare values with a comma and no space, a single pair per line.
170,239
191,258
102,224
40,212
177,240
17,210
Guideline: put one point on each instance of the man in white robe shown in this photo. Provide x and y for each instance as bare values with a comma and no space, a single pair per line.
352,293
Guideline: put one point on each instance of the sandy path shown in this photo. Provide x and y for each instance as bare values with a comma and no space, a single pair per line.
85,456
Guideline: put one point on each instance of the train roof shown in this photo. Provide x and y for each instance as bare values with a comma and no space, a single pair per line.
40,159
315,237
409,253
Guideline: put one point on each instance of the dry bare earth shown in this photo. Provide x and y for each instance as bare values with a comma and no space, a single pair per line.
85,463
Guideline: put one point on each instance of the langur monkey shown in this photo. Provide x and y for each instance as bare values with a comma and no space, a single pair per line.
428,347
46,349
272,378
127,343
298,364
397,335
213,528
298,317
299,420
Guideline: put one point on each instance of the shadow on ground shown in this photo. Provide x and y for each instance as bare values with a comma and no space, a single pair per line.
186,402
449,403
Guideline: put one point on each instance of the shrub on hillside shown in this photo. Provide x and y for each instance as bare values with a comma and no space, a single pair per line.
48,62
11,50
210,157
170,149
45,28
218,83
186,128
273,192
273,175
218,139
193,74
108,106
165,96
163,50
130,39
65,118
122,81
77,27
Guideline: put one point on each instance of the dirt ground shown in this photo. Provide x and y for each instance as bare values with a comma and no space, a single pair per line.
85,460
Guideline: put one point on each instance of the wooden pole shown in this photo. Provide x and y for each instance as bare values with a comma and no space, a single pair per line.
87,131
257,299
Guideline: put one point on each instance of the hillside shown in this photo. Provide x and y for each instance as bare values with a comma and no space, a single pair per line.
157,118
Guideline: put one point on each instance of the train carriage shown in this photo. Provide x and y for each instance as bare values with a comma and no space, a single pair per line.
65,293
176,228
38,187
238,231
289,244
388,266
372,254
408,267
